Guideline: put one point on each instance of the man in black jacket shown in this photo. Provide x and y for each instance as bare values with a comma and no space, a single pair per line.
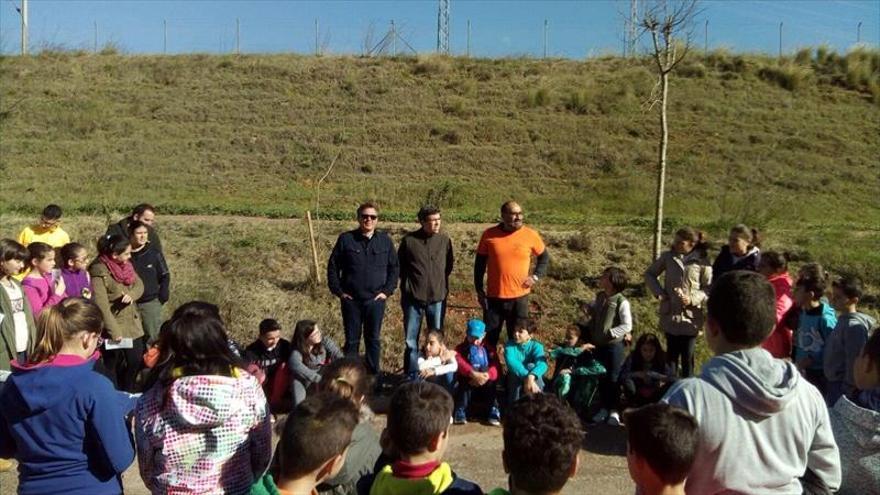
362,272
146,214
425,264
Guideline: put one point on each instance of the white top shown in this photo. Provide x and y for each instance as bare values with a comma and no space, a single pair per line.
437,364
19,319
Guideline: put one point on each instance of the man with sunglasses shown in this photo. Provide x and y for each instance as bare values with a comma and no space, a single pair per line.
506,250
362,272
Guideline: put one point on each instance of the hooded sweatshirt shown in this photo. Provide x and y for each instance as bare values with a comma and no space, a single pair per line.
844,345
814,330
752,406
203,434
65,424
780,340
857,431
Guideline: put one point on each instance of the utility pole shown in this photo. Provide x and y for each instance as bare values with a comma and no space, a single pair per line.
546,28
24,26
165,36
96,36
706,39
780,42
443,27
393,39
317,31
859,33
237,36
633,24
468,53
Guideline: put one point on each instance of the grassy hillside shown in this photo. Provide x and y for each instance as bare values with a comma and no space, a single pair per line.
775,145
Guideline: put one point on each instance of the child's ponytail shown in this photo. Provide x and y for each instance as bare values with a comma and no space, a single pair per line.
346,378
63,322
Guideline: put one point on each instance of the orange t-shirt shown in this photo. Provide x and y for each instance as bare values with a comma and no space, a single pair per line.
510,254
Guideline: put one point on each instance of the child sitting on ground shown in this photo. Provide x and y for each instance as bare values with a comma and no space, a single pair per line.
269,352
416,439
576,373
437,363
526,362
661,447
846,341
816,321
313,446
311,351
477,373
645,374
542,438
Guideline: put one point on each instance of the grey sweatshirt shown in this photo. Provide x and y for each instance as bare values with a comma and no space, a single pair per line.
762,426
844,345
857,431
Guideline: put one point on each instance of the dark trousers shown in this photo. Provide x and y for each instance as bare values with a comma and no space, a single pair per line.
465,392
611,356
123,365
680,348
363,316
503,312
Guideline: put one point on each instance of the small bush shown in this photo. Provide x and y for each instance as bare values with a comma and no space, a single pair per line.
539,97
804,56
694,70
577,102
432,66
789,76
456,106
581,242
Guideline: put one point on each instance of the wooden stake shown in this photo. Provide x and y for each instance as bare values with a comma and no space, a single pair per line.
314,247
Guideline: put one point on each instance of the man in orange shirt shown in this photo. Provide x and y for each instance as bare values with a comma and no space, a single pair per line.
507,250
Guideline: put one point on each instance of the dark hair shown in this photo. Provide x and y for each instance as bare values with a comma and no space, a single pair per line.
62,322
12,250
318,430
419,411
775,260
426,211
51,212
527,324
441,337
665,437
142,208
347,378
695,236
743,304
506,206
542,437
69,252
749,235
368,204
851,287
812,270
111,244
815,285
195,342
617,277
301,333
134,225
269,325
659,363
38,251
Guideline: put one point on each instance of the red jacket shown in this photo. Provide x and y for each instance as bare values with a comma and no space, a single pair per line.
780,340
464,367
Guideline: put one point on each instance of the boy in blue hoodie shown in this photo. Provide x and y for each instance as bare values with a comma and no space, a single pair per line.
415,441
526,362
847,340
815,324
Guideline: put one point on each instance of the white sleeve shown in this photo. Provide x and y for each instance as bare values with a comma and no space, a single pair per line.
626,321
450,367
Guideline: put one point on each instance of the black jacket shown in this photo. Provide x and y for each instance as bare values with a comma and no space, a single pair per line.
362,267
724,262
150,265
121,228
425,265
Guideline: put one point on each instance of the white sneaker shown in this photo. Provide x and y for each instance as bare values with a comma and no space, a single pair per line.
600,416
614,419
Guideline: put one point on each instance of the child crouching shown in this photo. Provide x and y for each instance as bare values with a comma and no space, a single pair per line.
477,374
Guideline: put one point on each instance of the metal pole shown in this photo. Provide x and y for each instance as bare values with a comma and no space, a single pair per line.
546,27
164,36
96,36
859,33
393,39
780,41
237,36
24,27
706,38
317,30
469,38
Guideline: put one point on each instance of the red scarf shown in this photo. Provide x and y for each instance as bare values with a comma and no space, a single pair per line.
121,272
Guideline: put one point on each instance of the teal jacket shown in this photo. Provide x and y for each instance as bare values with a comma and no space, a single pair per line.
525,359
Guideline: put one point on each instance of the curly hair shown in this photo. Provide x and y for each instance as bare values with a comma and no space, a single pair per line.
542,437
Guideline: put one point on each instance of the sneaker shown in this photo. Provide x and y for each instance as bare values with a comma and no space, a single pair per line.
459,417
600,416
614,419
494,416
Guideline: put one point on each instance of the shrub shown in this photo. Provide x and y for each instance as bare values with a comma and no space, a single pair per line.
538,97
788,76
694,70
577,102
581,242
432,66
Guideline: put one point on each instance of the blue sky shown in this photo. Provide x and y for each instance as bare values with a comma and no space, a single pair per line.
577,28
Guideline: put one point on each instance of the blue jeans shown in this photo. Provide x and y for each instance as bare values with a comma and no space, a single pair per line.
446,381
412,325
363,317
465,391
515,386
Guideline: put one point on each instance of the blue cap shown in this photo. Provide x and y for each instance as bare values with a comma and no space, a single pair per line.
476,328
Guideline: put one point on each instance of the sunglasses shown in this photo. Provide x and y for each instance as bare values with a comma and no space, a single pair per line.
370,217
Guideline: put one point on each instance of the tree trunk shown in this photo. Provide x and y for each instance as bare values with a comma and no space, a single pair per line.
661,165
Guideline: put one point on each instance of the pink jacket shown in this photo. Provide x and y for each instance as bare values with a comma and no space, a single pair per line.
40,292
204,434
780,340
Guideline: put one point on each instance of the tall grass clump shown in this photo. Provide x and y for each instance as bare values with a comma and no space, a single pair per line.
788,76
539,97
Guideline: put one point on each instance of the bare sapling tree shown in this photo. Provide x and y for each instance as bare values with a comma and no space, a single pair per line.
669,23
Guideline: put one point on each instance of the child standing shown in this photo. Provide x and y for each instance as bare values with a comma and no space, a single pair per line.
18,332
645,375
742,251
661,448
311,351
43,286
526,363
815,324
47,230
682,295
609,327
477,374
575,373
74,271
269,352
847,340
437,363
774,266
150,265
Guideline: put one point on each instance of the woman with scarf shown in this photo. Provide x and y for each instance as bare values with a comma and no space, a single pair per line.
116,288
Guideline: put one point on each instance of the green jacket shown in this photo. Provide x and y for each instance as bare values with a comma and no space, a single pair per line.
605,319
120,320
7,327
